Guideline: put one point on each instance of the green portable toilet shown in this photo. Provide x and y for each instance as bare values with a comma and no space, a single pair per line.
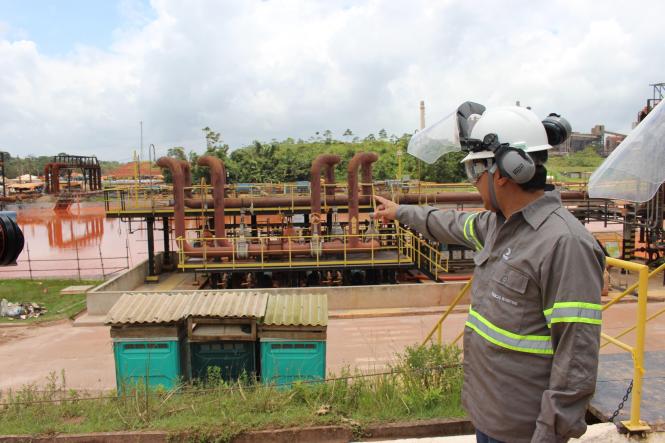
292,338
146,341
222,332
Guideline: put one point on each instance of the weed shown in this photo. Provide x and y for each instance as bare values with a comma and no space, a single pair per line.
424,383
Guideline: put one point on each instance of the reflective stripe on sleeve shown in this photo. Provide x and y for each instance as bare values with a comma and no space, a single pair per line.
533,344
573,312
469,232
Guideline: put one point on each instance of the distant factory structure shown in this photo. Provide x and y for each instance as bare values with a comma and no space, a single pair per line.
603,141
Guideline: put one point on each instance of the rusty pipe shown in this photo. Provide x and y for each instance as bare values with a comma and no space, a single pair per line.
187,177
330,179
218,180
319,162
342,200
175,166
365,159
366,172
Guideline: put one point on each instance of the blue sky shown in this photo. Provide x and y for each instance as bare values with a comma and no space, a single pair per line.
58,26
78,76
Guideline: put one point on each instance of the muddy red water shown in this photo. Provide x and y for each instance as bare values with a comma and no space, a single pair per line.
54,240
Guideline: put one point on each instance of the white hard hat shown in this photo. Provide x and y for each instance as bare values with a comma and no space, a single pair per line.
518,126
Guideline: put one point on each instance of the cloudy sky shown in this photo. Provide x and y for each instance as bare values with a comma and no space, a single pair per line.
79,76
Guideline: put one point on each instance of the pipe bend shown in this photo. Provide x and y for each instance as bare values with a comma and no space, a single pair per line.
218,178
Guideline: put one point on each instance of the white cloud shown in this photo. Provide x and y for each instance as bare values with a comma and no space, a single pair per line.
273,69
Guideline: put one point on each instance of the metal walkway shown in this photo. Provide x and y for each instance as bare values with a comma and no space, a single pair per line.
615,372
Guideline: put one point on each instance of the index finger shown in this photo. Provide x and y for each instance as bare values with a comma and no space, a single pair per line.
382,200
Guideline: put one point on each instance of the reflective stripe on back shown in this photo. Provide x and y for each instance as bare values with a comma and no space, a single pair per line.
533,344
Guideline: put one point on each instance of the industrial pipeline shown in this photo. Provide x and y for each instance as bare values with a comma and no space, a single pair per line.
243,247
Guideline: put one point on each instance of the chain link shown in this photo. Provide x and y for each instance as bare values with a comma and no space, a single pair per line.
624,400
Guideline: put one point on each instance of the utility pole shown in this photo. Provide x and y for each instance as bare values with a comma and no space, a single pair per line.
140,150
422,114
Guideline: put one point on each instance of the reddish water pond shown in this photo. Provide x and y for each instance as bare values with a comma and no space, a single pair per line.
81,241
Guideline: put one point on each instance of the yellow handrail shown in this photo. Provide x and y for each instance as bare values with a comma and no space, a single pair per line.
437,326
634,424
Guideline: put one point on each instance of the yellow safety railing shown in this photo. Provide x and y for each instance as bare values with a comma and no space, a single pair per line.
438,326
142,196
634,424
399,246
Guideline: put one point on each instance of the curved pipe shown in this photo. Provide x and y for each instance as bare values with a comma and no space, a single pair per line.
218,179
319,162
187,177
330,179
176,169
365,159
366,172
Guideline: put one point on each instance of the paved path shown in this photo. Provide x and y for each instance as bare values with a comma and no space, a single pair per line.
29,354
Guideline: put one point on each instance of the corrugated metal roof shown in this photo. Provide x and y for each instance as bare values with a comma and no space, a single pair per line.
297,310
228,304
153,307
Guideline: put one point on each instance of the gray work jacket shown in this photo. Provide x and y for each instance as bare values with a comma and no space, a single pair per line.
532,335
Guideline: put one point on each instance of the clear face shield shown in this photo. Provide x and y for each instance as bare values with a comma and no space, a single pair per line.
432,142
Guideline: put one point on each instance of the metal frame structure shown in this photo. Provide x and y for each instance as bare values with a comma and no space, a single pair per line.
399,248
89,166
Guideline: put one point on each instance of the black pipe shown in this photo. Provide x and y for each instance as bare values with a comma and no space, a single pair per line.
150,224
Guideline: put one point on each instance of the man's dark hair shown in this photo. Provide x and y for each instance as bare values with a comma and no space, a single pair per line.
538,181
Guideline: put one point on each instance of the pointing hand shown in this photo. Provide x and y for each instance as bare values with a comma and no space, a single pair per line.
385,208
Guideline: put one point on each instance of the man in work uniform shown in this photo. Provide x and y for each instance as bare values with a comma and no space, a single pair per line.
532,335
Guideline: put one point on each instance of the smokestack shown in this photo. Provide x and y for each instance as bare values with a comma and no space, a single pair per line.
422,114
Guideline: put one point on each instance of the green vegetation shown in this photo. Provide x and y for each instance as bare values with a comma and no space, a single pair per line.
424,383
290,160
45,293
582,161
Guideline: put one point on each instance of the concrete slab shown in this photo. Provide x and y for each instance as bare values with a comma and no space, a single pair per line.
393,312
598,433
86,319
76,289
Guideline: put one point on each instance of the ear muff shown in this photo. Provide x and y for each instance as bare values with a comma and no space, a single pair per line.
557,128
514,164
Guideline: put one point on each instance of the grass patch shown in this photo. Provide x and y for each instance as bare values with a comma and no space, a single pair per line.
45,293
426,383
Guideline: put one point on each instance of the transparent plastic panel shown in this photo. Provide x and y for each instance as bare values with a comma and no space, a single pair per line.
433,141
636,168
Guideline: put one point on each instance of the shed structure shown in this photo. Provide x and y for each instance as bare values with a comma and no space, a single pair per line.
292,338
161,337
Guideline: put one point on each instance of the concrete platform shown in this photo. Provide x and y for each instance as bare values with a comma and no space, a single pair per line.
598,433
76,289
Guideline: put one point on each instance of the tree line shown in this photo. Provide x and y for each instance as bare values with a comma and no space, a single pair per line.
290,160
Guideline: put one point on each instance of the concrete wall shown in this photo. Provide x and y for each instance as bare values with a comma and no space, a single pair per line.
411,295
103,297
